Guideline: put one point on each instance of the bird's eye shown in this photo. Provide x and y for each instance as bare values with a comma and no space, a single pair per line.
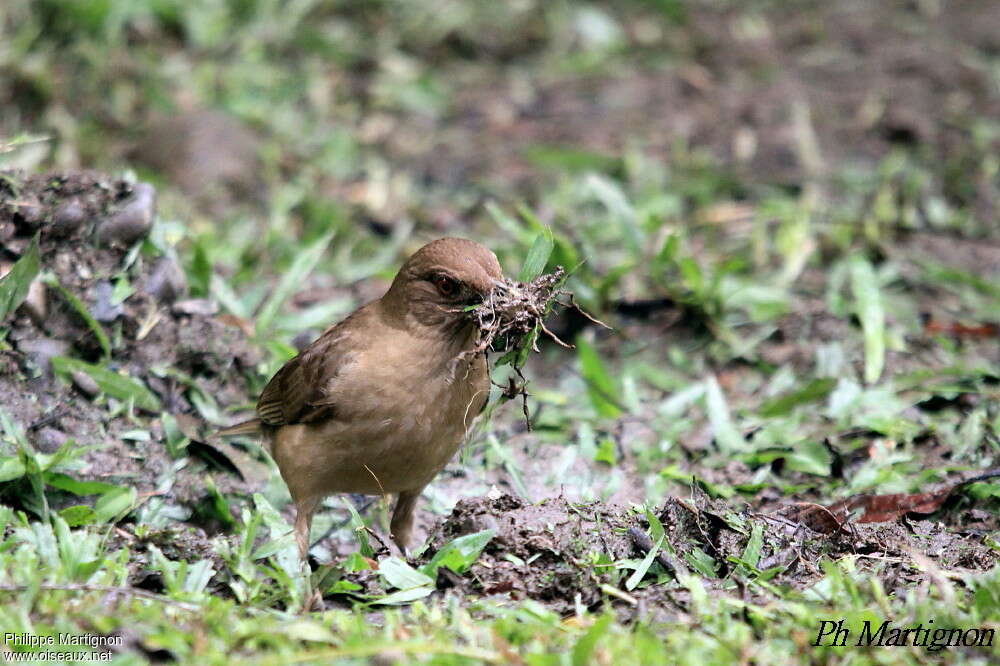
445,285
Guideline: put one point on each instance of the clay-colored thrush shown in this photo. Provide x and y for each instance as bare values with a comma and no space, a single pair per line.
381,401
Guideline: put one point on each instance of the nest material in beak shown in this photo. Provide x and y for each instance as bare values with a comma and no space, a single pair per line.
514,310
510,318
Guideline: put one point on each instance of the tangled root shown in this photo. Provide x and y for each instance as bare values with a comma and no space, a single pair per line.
510,321
514,313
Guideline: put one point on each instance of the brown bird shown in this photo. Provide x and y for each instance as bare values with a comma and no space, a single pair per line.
380,402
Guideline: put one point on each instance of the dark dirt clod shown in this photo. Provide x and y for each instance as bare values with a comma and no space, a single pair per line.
134,218
166,281
550,542
67,218
88,224
558,552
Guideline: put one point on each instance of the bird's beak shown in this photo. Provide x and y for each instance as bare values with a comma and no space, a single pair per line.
495,287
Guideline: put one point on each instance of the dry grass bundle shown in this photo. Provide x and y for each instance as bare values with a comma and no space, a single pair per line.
510,321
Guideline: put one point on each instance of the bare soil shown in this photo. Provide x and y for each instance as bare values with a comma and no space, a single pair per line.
92,235
782,101
560,553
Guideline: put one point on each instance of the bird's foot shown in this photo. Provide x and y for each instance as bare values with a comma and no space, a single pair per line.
312,602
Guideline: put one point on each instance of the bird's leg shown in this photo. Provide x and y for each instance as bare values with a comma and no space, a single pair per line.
305,507
402,517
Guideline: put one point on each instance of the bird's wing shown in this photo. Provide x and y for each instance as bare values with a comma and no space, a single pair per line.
298,392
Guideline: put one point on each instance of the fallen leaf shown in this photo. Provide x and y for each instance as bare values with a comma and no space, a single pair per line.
877,508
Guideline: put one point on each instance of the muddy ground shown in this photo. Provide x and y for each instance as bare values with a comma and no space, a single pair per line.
93,240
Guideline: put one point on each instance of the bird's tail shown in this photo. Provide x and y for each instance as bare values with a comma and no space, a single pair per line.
251,427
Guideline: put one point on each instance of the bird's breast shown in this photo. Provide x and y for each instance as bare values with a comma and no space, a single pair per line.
399,421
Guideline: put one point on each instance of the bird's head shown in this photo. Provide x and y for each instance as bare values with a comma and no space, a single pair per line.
436,285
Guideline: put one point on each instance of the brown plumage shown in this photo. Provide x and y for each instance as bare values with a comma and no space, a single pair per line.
380,402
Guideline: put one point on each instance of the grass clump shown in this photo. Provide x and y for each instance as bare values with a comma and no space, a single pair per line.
510,319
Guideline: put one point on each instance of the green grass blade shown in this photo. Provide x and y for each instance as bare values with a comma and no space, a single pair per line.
726,435
291,281
816,390
538,256
14,286
459,554
583,651
600,386
81,309
402,576
643,567
868,304
110,382
751,552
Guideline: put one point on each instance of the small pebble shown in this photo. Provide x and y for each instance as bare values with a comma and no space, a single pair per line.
478,523
36,302
40,351
85,383
166,282
48,440
134,218
203,307
101,307
67,218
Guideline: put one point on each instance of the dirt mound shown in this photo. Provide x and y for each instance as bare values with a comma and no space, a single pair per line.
108,336
568,554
